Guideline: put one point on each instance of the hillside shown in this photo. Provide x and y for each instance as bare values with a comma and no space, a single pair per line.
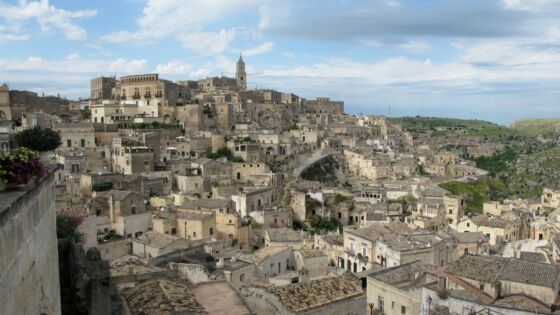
453,127
421,124
522,160
478,192
544,127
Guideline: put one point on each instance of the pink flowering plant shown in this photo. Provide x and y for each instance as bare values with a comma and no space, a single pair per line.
21,166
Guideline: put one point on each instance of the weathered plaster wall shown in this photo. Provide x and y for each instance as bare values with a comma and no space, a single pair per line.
29,278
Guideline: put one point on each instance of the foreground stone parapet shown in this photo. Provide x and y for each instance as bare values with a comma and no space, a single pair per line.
29,277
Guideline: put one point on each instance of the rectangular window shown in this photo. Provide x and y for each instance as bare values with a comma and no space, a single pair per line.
403,310
211,231
242,277
82,143
380,303
75,168
68,143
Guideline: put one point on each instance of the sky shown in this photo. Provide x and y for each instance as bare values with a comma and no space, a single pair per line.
497,60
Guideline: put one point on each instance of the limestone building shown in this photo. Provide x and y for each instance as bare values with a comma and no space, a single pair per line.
101,88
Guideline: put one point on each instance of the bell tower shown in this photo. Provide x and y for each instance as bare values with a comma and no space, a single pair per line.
5,110
240,74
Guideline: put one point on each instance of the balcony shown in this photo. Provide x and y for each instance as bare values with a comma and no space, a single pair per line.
136,96
123,97
363,259
147,96
349,251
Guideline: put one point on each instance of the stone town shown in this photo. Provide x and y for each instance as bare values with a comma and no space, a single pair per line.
206,197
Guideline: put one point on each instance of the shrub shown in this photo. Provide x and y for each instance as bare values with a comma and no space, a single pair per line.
66,227
38,139
338,198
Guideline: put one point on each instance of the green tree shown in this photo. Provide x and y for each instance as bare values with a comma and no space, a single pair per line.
38,139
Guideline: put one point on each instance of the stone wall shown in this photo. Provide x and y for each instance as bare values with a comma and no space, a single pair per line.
29,276
195,273
116,249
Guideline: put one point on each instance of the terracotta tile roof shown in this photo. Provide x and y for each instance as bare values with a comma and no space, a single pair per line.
403,274
483,220
302,297
284,235
522,302
398,235
161,297
469,237
490,269
534,257
480,268
539,274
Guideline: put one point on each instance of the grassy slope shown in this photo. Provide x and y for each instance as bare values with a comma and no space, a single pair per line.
420,124
478,192
537,126
472,127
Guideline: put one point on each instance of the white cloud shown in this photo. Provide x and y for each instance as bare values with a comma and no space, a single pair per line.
47,16
261,49
527,5
72,64
415,47
122,65
186,21
73,56
174,68
552,35
205,43
290,55
457,76
273,12
510,53
13,37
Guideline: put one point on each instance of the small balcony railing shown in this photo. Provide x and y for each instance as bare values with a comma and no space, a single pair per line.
362,258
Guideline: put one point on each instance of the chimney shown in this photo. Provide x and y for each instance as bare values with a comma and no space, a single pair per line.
441,283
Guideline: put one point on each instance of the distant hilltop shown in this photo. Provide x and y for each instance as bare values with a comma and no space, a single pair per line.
544,127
